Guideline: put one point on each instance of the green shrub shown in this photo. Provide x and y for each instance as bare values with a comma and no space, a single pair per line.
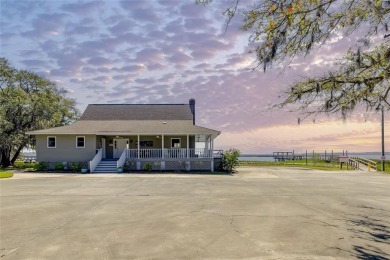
59,166
76,166
24,165
41,166
148,167
128,166
230,159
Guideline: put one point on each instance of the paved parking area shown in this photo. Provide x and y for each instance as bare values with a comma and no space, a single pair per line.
259,213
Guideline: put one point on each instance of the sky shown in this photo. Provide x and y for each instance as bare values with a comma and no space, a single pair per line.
168,51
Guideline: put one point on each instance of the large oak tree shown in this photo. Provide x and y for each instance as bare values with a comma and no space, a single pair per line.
28,102
282,30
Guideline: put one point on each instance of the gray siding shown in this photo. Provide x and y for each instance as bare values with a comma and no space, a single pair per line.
65,150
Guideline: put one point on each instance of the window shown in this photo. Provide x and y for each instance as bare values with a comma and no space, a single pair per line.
146,143
51,142
175,143
80,142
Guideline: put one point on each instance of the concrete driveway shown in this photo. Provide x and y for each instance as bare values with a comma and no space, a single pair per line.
259,213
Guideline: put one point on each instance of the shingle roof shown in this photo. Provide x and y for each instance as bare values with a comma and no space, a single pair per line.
137,112
133,119
129,127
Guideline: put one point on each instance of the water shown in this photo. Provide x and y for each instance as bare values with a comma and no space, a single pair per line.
256,159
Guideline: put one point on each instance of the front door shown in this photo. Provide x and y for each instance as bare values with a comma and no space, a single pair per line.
119,146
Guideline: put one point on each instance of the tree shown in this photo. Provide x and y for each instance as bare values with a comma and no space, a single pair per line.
28,102
281,30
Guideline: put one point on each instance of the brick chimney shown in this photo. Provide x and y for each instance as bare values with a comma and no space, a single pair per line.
192,107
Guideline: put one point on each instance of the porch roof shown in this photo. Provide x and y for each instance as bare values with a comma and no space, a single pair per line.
132,127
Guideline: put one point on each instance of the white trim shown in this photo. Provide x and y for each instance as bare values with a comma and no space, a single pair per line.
77,141
177,138
162,148
188,145
55,141
138,141
126,133
103,147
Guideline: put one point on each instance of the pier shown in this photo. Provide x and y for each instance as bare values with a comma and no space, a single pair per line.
286,156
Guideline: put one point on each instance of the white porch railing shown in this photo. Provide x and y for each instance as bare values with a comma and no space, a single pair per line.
144,153
95,161
175,153
169,153
201,153
122,159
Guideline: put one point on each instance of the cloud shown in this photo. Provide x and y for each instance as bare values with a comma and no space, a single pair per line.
141,11
46,25
76,29
84,7
179,58
122,27
166,51
318,137
99,61
149,55
34,63
130,68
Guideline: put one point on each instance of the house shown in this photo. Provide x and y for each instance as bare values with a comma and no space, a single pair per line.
157,136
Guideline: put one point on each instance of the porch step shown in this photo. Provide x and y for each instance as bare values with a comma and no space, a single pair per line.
106,166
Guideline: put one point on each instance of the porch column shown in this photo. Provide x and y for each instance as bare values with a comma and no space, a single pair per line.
212,152
138,152
188,144
162,167
207,146
103,148
162,146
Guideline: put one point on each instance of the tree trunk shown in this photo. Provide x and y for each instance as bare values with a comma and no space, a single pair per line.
5,158
16,155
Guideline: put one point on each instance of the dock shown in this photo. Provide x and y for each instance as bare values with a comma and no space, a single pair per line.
286,156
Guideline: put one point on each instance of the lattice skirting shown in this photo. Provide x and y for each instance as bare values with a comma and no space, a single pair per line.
131,165
175,165
200,165
156,165
168,165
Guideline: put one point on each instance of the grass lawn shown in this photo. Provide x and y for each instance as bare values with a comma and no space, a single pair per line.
6,174
387,166
318,164
20,165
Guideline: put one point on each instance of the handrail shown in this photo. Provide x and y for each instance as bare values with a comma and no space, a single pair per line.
354,164
95,161
122,159
217,153
368,163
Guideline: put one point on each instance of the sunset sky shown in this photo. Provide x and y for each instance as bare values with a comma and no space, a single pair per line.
168,51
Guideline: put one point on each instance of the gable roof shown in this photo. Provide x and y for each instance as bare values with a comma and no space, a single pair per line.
130,127
137,112
133,119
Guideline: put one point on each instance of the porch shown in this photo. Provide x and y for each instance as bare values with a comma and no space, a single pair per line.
162,152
